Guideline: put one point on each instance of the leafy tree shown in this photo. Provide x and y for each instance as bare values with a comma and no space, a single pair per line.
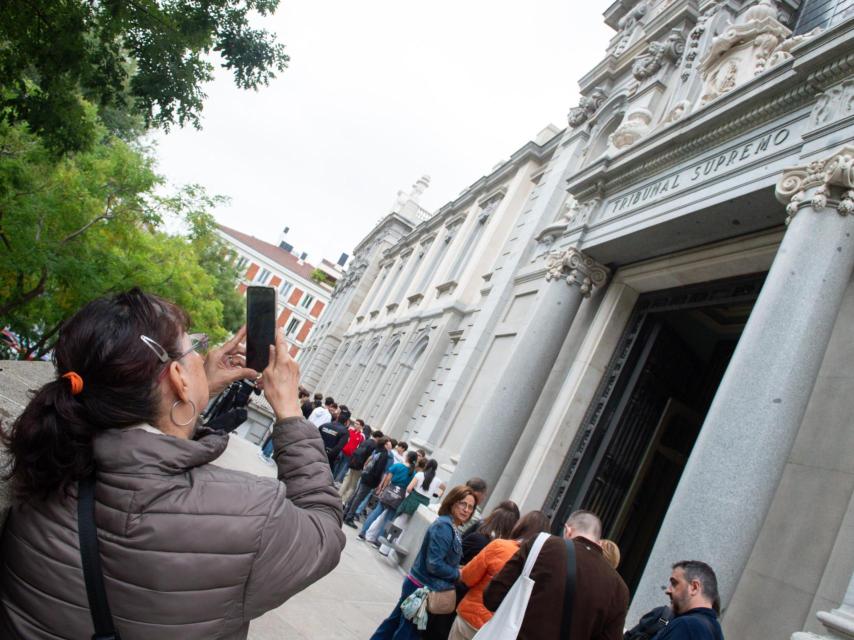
128,57
90,224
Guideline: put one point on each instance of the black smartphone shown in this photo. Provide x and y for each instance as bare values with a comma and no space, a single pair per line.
260,326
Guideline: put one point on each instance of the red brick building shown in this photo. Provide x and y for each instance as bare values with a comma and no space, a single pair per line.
302,296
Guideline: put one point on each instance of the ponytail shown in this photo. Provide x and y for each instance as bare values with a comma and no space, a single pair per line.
49,442
429,473
107,379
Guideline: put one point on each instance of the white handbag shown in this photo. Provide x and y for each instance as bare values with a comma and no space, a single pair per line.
507,620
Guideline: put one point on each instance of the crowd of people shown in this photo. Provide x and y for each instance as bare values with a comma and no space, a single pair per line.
467,565
113,475
379,480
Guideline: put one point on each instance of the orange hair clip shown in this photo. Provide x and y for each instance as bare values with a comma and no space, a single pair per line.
75,380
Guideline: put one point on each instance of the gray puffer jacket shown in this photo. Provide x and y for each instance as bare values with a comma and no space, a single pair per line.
189,550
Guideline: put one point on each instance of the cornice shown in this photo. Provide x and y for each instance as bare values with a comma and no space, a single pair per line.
378,227
483,189
805,76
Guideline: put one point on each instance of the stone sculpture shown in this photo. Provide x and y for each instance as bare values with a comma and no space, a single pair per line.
587,107
754,43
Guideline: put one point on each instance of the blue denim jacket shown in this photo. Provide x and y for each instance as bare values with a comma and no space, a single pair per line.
438,563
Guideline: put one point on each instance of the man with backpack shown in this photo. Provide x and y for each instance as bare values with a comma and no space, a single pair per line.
355,438
372,475
356,463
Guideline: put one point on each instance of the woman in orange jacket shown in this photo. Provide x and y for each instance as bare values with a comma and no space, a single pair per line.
471,613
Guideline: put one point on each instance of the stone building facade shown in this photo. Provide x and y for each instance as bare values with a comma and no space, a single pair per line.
659,325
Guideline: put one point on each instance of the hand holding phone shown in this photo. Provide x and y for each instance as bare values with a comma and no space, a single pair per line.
226,363
281,381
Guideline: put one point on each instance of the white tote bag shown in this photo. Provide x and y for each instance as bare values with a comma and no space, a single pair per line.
507,620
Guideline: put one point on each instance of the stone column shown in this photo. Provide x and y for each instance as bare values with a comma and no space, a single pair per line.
571,276
732,474
839,622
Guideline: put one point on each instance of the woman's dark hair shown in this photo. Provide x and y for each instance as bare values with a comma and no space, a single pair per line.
501,521
50,443
455,495
530,525
381,443
411,459
429,473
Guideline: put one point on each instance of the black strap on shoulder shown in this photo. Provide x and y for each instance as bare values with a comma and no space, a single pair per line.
87,531
568,592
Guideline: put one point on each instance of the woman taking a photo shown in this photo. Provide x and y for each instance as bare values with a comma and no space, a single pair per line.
437,565
187,549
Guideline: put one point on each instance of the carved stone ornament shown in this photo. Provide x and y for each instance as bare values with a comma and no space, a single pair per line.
627,26
834,104
576,268
657,54
633,128
693,45
587,107
354,272
754,43
832,179
678,112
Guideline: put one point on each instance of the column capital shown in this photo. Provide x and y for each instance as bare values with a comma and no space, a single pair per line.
837,170
576,268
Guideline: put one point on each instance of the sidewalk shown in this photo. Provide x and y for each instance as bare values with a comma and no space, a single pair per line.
348,604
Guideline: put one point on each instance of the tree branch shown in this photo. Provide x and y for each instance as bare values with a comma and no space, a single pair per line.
107,215
32,294
39,346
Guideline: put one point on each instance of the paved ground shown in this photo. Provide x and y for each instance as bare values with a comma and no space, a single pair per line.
348,604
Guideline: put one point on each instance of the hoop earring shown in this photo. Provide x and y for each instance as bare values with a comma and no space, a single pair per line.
172,413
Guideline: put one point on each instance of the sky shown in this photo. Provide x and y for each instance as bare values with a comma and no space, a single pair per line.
377,94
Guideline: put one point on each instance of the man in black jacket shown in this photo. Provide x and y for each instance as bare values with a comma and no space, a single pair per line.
693,590
335,434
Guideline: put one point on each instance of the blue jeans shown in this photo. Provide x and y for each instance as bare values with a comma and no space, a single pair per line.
360,508
341,467
396,627
378,511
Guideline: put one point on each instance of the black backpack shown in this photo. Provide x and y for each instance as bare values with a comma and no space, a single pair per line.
361,455
650,624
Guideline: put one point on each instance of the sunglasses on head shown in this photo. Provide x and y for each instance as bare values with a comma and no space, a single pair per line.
198,342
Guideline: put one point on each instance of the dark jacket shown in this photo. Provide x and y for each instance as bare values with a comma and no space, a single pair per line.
306,408
697,624
437,565
650,624
362,453
335,436
189,550
601,596
473,543
373,476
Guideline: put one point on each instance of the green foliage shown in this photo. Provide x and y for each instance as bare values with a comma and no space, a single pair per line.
89,224
320,276
141,62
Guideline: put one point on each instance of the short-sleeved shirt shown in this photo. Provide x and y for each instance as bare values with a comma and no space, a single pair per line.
400,474
432,490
